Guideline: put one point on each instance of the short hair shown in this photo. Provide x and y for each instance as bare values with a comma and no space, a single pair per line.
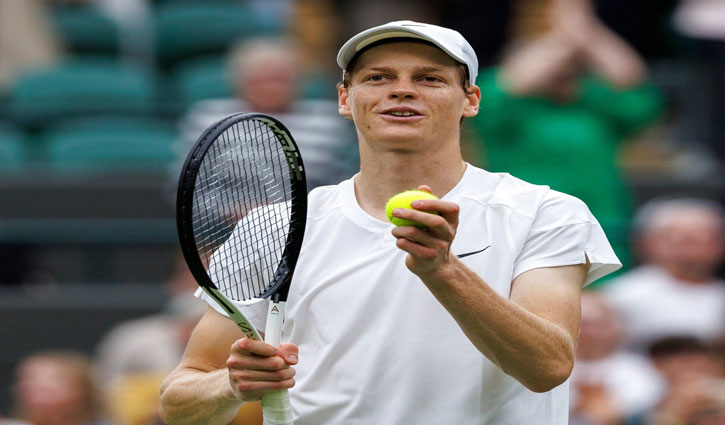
248,52
658,212
676,345
80,367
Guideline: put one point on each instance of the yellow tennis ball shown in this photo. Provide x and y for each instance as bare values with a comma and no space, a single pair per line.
403,200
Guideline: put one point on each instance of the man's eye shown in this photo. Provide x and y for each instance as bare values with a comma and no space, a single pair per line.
431,79
376,78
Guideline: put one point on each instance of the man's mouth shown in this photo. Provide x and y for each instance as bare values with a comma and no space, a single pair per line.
401,112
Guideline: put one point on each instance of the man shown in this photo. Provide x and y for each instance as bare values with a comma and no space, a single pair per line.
267,78
609,383
574,94
676,290
390,325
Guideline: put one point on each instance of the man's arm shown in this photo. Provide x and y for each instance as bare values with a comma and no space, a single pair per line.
531,67
532,335
221,370
603,51
576,34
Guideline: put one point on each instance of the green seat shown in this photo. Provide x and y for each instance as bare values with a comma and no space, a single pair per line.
319,87
85,29
12,148
208,78
198,79
4,101
184,30
81,87
110,144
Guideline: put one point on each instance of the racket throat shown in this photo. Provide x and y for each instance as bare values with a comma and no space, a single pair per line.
275,320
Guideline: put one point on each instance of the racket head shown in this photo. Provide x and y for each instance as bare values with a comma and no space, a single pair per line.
243,169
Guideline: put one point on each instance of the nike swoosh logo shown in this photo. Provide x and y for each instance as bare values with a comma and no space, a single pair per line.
474,252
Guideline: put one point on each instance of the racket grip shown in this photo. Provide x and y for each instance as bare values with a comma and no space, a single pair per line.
276,408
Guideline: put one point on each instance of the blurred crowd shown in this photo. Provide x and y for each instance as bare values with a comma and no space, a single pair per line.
583,96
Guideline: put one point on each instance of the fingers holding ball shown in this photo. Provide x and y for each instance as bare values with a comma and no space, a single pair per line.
404,200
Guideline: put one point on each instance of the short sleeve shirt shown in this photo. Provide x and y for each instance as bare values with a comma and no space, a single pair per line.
376,347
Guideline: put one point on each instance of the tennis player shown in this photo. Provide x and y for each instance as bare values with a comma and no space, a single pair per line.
472,319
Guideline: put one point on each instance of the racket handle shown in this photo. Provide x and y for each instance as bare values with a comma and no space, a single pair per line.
276,408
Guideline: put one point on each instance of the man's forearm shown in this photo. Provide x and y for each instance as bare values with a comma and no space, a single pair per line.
191,397
535,351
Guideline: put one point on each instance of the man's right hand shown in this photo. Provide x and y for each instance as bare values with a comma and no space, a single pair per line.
256,367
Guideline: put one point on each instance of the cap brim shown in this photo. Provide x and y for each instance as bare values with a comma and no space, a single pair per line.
353,46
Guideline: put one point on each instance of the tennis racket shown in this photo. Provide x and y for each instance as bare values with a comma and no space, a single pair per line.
241,210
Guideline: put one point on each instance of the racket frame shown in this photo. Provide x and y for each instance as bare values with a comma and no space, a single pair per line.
278,288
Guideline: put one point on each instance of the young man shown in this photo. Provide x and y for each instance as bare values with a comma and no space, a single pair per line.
472,319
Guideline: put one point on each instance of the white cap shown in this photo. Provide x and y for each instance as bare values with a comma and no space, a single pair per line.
450,41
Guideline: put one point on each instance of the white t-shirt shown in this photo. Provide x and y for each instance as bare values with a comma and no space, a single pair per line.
655,305
376,347
630,380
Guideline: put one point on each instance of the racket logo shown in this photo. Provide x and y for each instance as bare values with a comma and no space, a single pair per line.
289,148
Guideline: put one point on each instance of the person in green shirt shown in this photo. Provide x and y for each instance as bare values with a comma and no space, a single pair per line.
558,107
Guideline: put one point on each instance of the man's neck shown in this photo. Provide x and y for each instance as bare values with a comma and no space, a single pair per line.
392,173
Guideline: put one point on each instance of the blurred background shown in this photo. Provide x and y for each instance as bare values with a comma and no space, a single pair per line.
617,102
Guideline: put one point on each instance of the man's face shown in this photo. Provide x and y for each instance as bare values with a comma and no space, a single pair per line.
600,332
690,246
47,388
270,84
405,96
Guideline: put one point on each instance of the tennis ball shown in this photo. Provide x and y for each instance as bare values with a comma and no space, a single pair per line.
403,200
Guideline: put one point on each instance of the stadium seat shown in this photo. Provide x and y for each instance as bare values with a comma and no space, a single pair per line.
85,29
80,87
199,79
184,30
319,86
4,101
110,144
12,148
208,78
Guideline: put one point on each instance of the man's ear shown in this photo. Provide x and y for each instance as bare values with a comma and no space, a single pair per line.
342,98
472,102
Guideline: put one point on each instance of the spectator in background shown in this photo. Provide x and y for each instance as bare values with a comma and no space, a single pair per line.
56,388
557,108
133,357
608,382
267,79
695,376
675,291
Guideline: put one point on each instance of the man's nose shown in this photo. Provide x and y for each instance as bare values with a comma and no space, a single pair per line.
403,88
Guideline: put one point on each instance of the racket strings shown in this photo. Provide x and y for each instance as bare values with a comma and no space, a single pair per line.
241,210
